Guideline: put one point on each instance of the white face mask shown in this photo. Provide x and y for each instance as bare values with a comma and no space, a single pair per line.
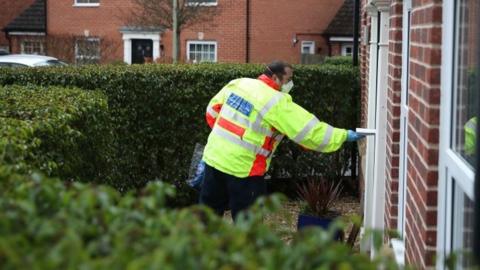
286,88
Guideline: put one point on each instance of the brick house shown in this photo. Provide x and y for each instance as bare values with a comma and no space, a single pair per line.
243,31
10,10
339,32
418,65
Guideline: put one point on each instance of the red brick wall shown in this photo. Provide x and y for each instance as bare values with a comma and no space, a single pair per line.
10,10
271,33
335,49
228,29
63,19
364,52
272,27
423,123
393,113
16,42
423,128
275,24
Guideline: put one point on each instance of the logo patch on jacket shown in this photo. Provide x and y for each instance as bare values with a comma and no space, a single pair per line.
240,104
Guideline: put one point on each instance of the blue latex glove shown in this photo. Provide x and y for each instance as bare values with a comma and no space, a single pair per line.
352,136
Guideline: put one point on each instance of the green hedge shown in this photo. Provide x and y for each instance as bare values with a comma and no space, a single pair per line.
338,60
45,224
63,132
158,112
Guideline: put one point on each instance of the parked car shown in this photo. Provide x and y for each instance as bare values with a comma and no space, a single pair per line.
28,60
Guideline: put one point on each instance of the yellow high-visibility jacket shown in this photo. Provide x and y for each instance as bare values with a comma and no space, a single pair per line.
470,138
249,118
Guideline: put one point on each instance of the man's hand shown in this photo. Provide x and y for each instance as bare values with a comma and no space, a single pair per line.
353,136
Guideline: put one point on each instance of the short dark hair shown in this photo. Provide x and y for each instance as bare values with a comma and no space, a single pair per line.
276,67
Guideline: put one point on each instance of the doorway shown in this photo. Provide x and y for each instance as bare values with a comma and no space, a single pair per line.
141,50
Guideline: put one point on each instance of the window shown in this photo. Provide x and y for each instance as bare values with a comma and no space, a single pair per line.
202,2
32,47
308,47
202,51
460,57
87,51
347,49
87,3
12,65
465,94
463,219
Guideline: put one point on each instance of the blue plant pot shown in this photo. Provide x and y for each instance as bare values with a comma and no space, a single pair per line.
307,220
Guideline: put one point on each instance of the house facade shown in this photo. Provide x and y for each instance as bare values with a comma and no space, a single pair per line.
10,10
241,31
339,32
419,64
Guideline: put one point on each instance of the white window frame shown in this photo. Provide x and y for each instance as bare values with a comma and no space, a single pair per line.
310,44
77,4
344,49
42,47
95,57
451,165
189,42
199,3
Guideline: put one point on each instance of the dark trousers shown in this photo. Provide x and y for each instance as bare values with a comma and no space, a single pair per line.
220,191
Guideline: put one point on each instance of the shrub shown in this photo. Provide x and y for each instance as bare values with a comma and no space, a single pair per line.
338,60
158,113
45,224
63,132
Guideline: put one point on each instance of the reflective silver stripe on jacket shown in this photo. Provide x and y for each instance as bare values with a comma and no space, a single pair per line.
212,112
272,102
309,126
279,137
235,116
236,140
326,138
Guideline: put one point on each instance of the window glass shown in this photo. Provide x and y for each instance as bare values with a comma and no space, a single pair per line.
201,51
463,221
87,51
308,47
32,47
466,71
347,49
51,63
87,1
201,1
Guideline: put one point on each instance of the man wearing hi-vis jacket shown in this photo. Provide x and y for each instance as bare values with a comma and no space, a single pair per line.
249,118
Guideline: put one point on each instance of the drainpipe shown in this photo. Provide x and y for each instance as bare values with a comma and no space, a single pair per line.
175,32
368,167
356,22
247,33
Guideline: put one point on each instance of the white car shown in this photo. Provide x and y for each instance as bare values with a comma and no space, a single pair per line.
28,60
